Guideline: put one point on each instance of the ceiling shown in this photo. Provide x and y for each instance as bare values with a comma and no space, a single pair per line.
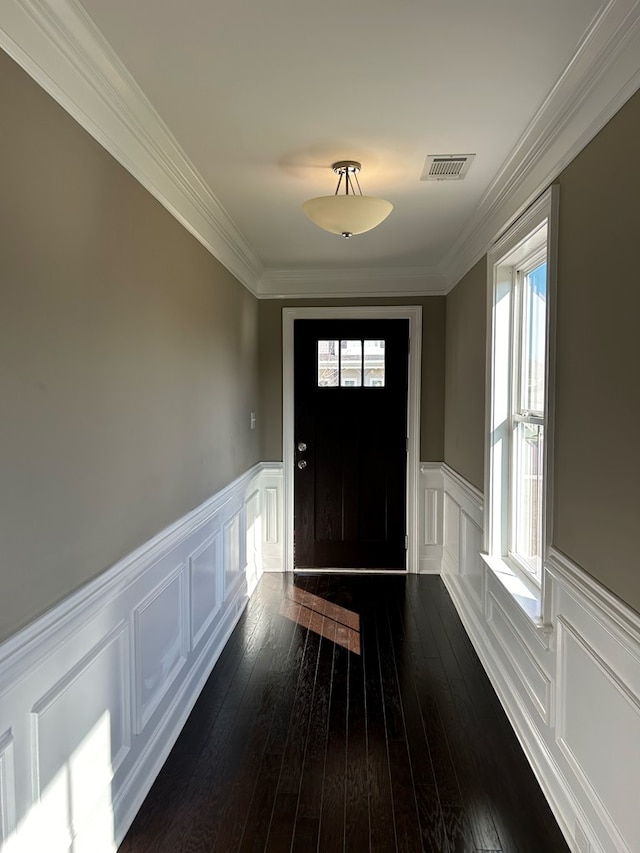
241,106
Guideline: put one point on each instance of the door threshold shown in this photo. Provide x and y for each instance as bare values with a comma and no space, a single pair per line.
329,571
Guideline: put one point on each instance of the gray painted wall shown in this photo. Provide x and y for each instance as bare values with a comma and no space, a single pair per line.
597,427
128,359
465,375
432,392
597,467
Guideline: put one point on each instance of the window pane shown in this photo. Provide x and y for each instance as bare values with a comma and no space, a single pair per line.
374,364
527,495
351,362
534,316
328,363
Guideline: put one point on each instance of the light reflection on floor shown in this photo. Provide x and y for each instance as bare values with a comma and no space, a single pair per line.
335,623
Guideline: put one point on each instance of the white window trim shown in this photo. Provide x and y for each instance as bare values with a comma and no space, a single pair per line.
521,584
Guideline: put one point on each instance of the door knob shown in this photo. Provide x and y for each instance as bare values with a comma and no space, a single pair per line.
302,446
302,463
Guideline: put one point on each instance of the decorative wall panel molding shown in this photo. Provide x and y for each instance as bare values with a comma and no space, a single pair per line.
206,590
80,736
573,697
272,517
524,664
605,763
253,539
451,532
7,788
431,518
94,693
469,547
160,636
234,558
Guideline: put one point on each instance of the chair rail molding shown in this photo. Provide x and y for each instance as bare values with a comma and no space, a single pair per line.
94,693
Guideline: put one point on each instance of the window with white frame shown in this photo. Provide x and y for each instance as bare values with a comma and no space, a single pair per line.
521,320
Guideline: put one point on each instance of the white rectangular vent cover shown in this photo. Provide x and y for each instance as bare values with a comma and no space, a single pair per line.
446,167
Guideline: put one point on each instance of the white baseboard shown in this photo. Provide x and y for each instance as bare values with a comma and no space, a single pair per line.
572,695
430,565
93,694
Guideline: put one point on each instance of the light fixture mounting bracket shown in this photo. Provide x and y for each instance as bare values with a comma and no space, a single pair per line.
343,167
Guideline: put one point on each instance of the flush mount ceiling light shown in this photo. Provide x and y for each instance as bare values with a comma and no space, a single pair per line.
350,213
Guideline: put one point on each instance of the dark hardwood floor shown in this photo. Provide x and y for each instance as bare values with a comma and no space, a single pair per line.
346,713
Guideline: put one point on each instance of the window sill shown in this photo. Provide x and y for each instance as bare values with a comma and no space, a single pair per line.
526,595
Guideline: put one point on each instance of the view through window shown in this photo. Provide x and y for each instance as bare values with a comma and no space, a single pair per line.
351,363
528,417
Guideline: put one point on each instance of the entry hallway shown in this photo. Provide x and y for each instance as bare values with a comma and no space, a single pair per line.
346,713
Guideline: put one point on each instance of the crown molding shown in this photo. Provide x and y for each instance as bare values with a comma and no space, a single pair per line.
602,75
348,282
57,44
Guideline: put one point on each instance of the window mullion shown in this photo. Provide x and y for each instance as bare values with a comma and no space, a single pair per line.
527,418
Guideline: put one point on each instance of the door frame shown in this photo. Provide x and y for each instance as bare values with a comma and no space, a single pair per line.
412,313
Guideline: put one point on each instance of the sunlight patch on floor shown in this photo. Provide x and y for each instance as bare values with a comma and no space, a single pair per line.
334,623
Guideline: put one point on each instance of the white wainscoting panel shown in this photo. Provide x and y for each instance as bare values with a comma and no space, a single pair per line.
431,518
94,693
272,480
233,549
7,788
523,662
571,689
81,734
160,632
271,515
469,547
593,704
253,539
205,578
451,546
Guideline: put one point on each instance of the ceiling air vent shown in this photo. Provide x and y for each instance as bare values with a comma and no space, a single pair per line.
446,167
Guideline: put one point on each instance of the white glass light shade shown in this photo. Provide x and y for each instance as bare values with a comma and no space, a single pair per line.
347,214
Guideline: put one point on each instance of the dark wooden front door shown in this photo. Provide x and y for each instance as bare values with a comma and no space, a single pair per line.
350,392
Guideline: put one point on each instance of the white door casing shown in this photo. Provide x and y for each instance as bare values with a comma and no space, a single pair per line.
412,313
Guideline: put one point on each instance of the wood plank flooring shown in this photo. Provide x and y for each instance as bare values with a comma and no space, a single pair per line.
346,713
